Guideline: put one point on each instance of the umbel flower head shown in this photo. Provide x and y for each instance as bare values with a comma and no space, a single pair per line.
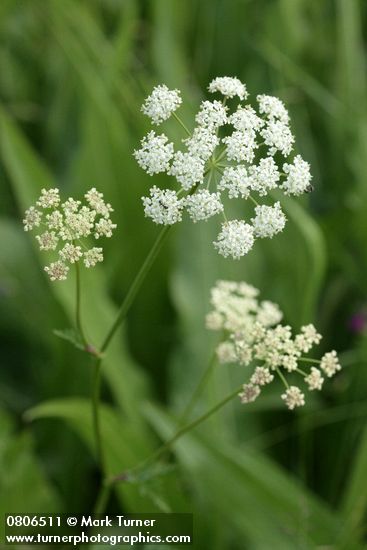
238,153
66,228
255,338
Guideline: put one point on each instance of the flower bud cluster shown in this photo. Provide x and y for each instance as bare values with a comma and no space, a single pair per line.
255,336
65,228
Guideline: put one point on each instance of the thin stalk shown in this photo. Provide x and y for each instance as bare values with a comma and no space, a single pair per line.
103,498
300,371
96,387
198,390
134,288
182,431
282,378
78,317
308,360
182,124
253,200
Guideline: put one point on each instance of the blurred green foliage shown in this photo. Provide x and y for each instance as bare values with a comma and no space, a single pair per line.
73,76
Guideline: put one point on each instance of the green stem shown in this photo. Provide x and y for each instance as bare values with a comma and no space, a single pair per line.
182,431
308,360
134,288
253,200
300,371
182,124
282,378
78,318
102,498
96,387
198,390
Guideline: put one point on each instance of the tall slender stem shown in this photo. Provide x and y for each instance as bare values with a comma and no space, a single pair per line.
198,390
182,124
134,288
182,431
78,317
96,390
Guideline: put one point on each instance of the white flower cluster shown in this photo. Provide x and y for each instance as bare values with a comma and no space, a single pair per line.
254,333
65,225
246,162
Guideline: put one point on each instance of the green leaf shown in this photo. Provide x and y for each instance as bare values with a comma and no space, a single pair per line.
263,505
124,448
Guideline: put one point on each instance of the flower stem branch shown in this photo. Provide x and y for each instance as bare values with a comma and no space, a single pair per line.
182,124
78,318
135,286
180,432
198,390
96,390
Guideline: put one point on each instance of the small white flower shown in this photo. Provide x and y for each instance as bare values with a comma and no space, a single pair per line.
55,220
278,137
93,256
187,169
268,314
70,206
48,240
228,86
203,205
212,115
104,228
330,363
163,206
314,379
241,146
155,153
96,201
269,220
245,119
32,218
49,198
78,224
299,177
243,351
235,239
71,253
236,180
261,376
202,143
214,321
264,176
249,393
272,107
57,271
161,103
307,338
293,397
226,353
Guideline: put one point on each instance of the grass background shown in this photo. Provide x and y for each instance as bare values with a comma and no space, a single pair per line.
73,76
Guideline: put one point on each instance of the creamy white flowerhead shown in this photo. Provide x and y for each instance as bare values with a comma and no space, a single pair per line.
298,177
212,115
155,153
236,181
203,205
228,86
293,397
69,226
253,337
235,239
233,150
188,169
163,206
269,220
161,103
